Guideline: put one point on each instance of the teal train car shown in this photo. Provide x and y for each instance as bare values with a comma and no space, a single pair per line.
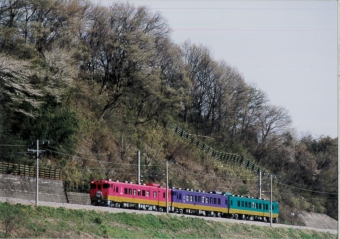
249,208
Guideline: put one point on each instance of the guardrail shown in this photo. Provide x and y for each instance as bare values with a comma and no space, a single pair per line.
220,156
30,171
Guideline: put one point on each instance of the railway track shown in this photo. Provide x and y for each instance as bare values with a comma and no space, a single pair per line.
117,210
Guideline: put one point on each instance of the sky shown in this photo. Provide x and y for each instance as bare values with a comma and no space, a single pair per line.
288,49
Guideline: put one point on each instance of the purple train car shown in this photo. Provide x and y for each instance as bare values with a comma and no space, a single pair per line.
199,202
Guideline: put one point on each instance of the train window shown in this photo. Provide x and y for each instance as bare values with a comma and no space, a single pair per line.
256,205
180,196
125,191
219,201
273,207
147,193
238,203
138,192
215,201
195,198
190,198
260,205
202,199
242,203
211,200
154,194
266,206
199,199
93,186
206,200
163,195
134,192
143,192
116,189
130,191
187,198
106,185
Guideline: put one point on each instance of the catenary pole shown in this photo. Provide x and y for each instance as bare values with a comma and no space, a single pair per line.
271,200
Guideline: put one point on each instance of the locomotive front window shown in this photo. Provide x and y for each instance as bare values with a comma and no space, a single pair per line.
106,185
93,186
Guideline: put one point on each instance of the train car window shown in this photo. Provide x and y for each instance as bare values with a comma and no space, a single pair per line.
190,198
256,205
219,201
130,191
180,197
252,205
202,199
147,193
211,200
138,192
206,200
187,198
143,192
215,201
163,195
238,203
106,185
199,199
93,186
226,202
134,192
195,198
125,191
116,189
99,187
273,207
266,206
242,203
154,194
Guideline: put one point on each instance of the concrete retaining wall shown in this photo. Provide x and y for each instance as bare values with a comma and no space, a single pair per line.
79,198
23,187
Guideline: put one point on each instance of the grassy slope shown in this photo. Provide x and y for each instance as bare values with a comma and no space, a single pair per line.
49,222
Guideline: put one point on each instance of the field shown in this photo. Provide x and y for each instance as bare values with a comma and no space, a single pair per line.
25,221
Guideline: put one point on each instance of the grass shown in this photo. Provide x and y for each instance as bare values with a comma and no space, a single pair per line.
49,222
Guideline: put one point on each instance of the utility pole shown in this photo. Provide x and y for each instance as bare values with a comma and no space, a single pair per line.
37,169
167,186
138,166
271,200
260,187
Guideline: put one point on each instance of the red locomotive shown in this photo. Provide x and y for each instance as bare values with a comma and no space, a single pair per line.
110,193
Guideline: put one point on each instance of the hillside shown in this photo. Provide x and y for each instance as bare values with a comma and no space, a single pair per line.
100,84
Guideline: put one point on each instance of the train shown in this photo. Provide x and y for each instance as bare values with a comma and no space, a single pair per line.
152,196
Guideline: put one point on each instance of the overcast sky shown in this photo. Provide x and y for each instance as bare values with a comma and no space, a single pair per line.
288,49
